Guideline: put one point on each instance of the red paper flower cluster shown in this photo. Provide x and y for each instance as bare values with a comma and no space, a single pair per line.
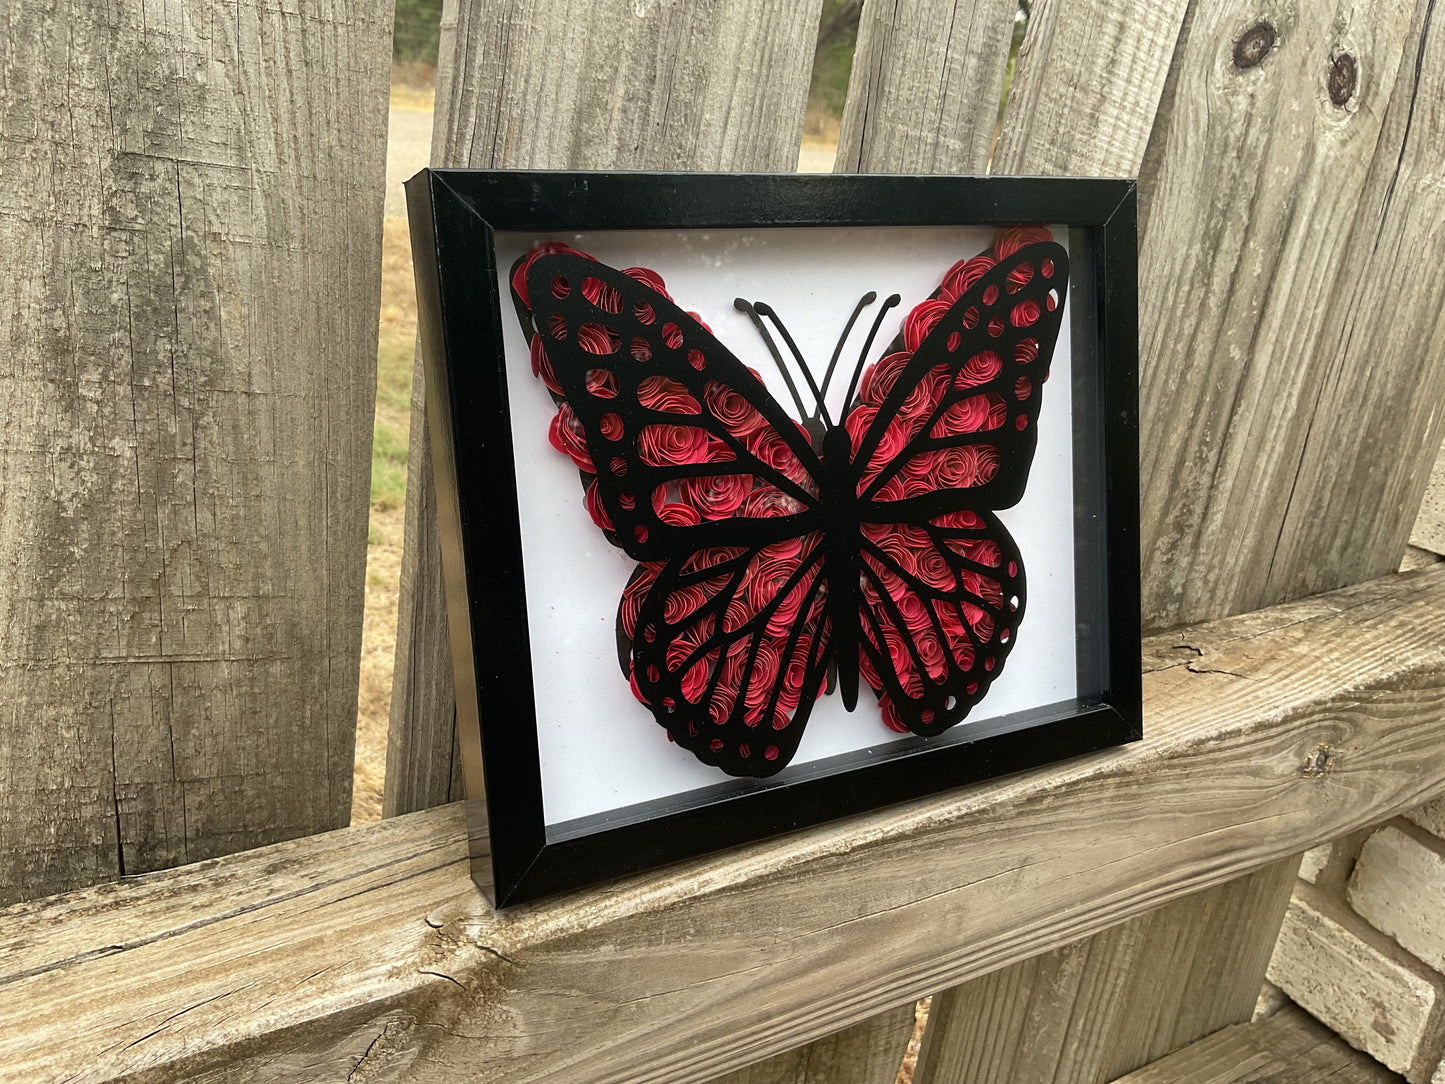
776,584
959,467
771,589
718,496
935,628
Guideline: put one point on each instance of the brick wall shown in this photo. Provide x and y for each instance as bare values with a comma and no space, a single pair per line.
1363,944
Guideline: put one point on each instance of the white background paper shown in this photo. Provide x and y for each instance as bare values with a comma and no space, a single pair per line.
601,750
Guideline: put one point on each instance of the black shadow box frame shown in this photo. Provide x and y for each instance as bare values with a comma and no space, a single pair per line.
454,213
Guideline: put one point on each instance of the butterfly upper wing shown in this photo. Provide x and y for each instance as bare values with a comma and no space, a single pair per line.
692,468
944,436
957,427
688,447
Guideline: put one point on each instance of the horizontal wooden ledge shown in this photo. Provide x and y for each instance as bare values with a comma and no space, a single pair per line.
1289,1047
368,952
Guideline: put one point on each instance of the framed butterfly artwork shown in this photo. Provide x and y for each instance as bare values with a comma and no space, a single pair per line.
765,500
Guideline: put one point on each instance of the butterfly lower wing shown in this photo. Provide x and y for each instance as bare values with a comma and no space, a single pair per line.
729,649
940,604
685,446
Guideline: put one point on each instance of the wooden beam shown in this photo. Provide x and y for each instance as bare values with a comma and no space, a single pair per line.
370,950
190,223
1287,1048
552,84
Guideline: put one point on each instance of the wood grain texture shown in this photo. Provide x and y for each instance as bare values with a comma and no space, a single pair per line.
924,89
1288,1047
926,81
563,84
1086,87
1292,269
1415,557
866,1053
423,761
1378,416
1143,988
368,951
191,225
1429,530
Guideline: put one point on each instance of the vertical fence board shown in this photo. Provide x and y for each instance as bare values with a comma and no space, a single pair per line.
191,226
1142,988
1251,190
1379,369
928,74
554,84
924,90
866,1053
1085,87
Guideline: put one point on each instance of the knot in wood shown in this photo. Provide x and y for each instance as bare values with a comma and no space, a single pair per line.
1251,49
1343,74
1318,761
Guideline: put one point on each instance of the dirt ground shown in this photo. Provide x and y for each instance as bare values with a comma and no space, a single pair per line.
378,643
395,351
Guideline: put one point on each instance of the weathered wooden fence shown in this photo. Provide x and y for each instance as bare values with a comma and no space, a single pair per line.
190,201
190,222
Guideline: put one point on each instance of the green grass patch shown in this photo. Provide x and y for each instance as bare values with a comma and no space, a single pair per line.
388,467
395,352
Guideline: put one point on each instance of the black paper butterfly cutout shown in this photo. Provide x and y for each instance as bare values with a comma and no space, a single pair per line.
776,558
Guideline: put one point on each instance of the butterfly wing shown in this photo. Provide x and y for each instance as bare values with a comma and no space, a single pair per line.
729,648
943,435
939,606
687,447
691,467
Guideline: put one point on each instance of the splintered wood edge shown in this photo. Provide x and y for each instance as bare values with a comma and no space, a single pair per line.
1265,734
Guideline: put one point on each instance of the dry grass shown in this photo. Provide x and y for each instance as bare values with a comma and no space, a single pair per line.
910,1056
820,126
396,345
413,87
378,645
394,355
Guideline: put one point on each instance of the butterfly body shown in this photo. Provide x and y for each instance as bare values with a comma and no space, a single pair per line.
844,547
773,553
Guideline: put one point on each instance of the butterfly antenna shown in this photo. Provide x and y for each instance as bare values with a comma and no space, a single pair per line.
764,309
863,357
863,302
743,305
